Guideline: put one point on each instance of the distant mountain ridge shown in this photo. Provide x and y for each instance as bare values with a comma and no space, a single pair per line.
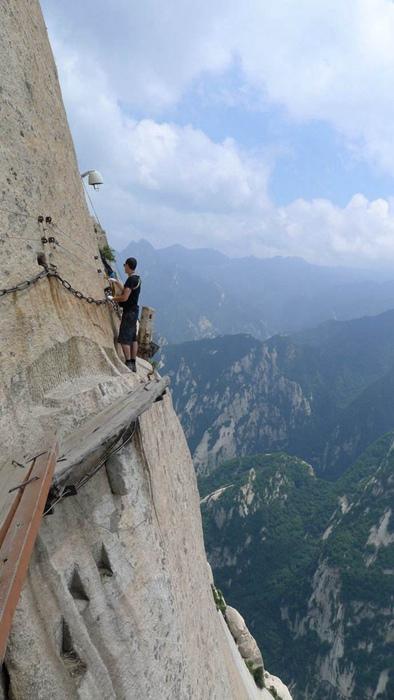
202,293
311,566
323,395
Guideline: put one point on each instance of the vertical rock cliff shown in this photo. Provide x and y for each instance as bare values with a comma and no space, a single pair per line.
118,600
53,344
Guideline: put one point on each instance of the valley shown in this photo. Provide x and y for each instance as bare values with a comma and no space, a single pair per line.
323,395
292,440
311,566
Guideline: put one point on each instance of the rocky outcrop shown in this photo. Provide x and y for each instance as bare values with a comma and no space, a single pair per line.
245,642
271,686
303,394
233,398
350,609
275,687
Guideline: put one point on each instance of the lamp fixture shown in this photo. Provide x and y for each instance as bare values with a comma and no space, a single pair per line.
95,178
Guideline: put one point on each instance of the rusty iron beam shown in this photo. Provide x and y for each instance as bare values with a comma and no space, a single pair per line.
17,545
11,506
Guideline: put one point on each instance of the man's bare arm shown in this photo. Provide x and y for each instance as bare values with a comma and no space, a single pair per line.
124,296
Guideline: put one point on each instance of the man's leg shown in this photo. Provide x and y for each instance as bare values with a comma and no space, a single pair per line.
129,330
127,351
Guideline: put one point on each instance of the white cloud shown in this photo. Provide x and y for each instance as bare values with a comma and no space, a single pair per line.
332,61
151,49
185,168
177,163
173,183
164,178
360,233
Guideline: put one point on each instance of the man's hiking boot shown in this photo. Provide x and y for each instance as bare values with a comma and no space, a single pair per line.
131,365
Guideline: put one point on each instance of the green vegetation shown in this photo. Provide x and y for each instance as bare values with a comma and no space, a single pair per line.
219,599
258,675
324,395
370,483
108,253
264,538
257,672
308,562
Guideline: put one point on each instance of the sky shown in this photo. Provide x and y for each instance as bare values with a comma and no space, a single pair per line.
257,128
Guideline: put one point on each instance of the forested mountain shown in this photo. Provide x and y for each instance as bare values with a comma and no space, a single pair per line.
300,534
299,526
311,565
203,293
323,395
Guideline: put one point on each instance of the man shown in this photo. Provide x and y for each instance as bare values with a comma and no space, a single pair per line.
128,300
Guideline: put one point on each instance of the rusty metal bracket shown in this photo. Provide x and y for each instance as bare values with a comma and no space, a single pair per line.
18,464
23,484
31,459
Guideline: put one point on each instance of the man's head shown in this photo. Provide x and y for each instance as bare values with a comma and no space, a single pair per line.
129,265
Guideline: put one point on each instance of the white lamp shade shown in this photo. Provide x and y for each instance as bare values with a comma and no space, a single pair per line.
95,178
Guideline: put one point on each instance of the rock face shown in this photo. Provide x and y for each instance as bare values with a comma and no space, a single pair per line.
54,346
276,688
233,397
117,603
323,395
310,565
245,642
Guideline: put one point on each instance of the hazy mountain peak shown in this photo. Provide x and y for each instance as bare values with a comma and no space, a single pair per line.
214,294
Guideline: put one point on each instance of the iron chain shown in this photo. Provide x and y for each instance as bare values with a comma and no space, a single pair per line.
47,272
25,284
77,293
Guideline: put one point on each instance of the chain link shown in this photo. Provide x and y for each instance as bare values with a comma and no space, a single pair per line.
80,295
47,272
25,284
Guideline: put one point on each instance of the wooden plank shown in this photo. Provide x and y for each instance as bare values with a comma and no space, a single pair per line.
10,476
18,543
21,509
105,426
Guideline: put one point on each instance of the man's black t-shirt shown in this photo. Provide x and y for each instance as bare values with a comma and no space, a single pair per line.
134,283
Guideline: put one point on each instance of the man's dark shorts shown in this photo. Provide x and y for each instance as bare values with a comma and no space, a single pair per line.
128,327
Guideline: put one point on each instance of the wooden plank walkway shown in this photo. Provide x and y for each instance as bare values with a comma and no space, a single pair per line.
24,489
96,433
